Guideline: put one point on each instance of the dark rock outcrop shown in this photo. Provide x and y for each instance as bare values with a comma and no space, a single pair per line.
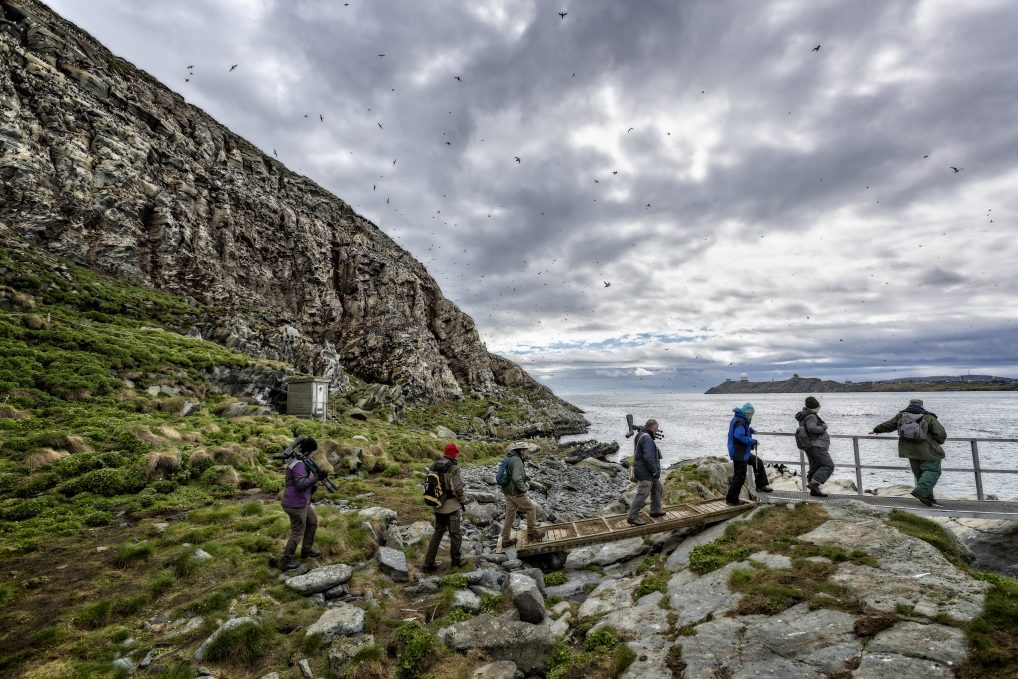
101,163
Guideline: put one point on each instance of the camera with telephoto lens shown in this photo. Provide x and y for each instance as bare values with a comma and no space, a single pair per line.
294,451
633,428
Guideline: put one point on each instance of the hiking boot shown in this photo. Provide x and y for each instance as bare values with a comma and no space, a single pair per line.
814,489
455,563
657,515
289,564
508,543
765,489
429,567
309,553
925,500
635,522
737,503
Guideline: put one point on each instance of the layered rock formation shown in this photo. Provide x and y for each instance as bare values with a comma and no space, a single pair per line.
101,163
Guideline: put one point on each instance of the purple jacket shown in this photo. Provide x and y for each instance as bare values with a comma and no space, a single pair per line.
300,483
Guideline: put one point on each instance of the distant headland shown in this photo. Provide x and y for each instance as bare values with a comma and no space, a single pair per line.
804,385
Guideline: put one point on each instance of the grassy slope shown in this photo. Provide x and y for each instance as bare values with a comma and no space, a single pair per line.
89,466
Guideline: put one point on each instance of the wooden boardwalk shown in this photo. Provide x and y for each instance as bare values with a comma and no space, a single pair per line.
563,536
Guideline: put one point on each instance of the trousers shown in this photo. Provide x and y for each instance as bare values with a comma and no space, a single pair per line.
926,473
651,487
821,466
303,524
514,503
739,476
445,522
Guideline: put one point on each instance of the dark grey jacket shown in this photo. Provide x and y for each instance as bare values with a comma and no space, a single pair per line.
815,427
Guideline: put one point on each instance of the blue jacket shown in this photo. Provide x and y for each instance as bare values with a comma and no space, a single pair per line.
647,462
740,437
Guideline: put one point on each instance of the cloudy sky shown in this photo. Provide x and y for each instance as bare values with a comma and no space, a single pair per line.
757,205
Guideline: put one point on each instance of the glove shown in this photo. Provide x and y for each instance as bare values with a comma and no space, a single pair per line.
753,443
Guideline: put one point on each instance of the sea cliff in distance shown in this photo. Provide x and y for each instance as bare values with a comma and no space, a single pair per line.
815,385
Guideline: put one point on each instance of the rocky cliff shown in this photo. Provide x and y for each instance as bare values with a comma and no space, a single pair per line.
815,385
103,164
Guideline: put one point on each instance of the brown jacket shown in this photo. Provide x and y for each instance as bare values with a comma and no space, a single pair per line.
452,483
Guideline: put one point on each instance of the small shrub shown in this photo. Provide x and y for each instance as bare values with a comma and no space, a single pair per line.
455,581
601,641
413,643
128,553
241,645
714,555
252,509
555,579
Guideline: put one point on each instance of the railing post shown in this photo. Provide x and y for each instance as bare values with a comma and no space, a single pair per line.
802,469
976,469
858,465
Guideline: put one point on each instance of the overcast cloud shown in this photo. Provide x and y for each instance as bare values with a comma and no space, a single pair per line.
774,209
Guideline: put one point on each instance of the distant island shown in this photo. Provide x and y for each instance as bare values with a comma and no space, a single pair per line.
815,385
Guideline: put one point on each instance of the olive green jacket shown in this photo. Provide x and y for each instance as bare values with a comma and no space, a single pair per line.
929,449
517,477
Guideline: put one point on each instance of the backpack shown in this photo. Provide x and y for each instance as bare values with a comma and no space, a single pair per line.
913,426
802,439
636,452
434,492
502,477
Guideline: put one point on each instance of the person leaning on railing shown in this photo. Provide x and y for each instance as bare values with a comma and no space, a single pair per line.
920,436
741,447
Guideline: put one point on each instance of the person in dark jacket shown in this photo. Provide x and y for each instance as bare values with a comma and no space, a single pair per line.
447,517
647,470
925,452
821,466
300,484
517,495
740,449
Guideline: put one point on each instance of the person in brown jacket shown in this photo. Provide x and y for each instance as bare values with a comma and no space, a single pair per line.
447,517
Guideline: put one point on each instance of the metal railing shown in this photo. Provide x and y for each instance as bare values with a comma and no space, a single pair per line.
976,469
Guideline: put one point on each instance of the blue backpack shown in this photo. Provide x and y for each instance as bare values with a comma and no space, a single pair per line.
502,477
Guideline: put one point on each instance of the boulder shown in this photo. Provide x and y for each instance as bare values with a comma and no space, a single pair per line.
305,668
344,649
484,497
393,563
503,669
525,644
342,621
202,650
909,571
467,600
608,596
643,619
776,561
939,643
884,665
706,595
418,531
614,552
320,579
382,515
538,576
482,514
522,590
444,433
489,578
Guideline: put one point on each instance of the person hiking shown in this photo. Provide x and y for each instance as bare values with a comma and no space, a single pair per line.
741,445
821,466
647,471
920,436
517,495
447,517
300,485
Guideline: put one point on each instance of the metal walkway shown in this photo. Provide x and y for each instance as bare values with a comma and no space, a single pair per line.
972,509
563,536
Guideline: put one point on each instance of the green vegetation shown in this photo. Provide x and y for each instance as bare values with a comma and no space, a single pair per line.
413,644
555,579
603,655
993,636
928,531
240,645
768,591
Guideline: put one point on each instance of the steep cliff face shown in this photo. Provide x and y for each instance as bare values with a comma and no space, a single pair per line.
102,163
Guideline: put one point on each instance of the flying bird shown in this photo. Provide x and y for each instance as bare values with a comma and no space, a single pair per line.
629,130
458,78
380,126
187,80
925,157
274,153
321,117
306,115
615,171
233,67
517,159
957,169
562,15
381,55
374,186
190,66
394,162
607,284
817,48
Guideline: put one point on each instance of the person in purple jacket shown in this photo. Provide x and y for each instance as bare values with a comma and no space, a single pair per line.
300,484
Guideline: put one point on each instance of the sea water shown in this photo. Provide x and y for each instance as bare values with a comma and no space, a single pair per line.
697,424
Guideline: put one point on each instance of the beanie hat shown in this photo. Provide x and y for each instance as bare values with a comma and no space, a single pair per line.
451,450
916,402
308,445
812,402
747,408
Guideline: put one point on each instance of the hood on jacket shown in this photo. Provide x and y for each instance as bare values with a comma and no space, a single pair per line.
444,464
746,410
801,415
915,410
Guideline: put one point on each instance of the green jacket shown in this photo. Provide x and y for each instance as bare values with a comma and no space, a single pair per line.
918,450
517,477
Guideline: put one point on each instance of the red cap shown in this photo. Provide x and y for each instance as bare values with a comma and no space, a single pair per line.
451,450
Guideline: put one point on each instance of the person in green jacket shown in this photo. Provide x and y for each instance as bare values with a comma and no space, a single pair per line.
517,495
920,436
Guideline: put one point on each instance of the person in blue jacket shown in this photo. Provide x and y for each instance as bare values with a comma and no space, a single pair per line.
740,448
